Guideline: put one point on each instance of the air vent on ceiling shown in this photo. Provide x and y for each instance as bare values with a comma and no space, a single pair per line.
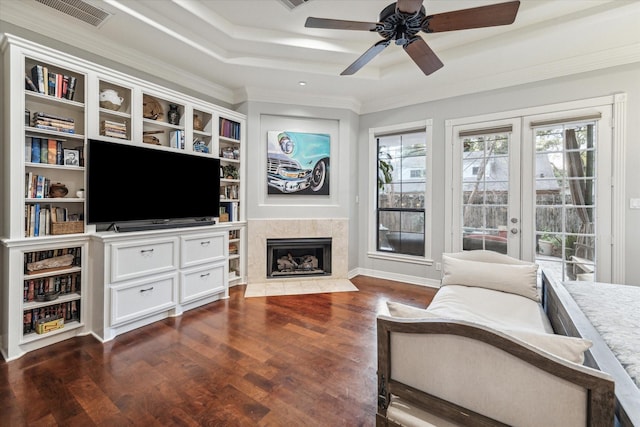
79,10
291,4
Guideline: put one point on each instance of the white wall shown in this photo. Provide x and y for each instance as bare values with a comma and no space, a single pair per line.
624,79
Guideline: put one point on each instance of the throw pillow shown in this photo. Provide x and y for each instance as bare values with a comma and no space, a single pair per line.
519,279
569,348
398,309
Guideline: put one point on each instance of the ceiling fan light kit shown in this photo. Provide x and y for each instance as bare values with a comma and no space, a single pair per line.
401,22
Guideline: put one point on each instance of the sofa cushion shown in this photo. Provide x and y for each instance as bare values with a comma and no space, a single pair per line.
568,348
506,276
499,310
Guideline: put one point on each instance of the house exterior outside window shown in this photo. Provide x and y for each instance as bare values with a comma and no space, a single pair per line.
400,218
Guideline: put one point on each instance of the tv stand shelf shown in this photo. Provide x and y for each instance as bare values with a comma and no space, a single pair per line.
144,276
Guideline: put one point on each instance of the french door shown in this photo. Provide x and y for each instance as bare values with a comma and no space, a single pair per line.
486,179
535,187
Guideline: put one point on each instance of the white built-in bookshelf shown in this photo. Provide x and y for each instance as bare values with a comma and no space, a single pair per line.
46,245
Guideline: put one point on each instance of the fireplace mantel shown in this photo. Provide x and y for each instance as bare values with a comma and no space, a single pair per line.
259,230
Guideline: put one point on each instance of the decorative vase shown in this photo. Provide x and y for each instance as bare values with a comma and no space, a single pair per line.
197,122
58,190
173,116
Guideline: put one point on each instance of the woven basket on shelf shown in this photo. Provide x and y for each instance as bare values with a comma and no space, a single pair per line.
67,227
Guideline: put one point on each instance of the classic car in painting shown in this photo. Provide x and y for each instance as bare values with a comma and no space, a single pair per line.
298,163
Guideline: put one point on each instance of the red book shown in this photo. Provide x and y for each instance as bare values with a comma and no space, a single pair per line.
59,81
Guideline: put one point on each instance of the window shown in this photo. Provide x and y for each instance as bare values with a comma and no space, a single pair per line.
401,192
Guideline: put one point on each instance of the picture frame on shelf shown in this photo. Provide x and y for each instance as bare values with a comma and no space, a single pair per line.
71,157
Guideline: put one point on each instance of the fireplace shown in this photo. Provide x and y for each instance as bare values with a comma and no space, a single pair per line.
298,257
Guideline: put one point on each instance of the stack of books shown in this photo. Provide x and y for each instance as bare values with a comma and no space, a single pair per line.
114,129
48,121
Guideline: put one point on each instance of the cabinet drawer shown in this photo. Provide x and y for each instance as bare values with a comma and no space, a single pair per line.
203,248
202,282
133,301
135,259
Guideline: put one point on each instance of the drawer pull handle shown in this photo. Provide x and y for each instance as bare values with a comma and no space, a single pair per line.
146,252
205,275
146,290
207,243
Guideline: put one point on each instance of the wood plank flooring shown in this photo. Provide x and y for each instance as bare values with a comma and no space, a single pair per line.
304,360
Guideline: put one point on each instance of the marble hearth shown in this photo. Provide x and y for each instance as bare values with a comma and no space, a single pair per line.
259,230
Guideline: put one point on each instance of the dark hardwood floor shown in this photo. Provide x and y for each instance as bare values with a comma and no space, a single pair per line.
305,360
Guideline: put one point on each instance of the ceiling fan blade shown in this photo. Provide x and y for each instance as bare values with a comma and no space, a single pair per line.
423,56
366,57
338,24
409,6
475,17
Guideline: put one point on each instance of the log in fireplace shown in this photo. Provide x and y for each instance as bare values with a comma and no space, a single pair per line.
298,257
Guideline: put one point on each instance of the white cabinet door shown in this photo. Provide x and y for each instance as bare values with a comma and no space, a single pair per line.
135,300
142,258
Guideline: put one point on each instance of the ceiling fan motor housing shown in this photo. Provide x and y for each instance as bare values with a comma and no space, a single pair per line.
400,26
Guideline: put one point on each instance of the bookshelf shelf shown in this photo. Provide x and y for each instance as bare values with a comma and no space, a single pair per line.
43,99
33,337
59,300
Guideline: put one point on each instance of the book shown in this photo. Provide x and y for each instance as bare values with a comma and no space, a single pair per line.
27,150
29,85
39,114
65,86
52,84
45,80
35,150
71,90
176,139
52,151
31,220
36,227
28,192
37,78
42,222
44,150
59,79
59,158
40,182
53,128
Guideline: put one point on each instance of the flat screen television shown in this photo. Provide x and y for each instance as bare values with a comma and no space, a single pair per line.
128,183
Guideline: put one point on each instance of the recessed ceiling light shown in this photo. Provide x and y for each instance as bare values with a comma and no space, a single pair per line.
302,83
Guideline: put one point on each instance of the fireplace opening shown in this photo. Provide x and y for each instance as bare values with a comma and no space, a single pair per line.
298,257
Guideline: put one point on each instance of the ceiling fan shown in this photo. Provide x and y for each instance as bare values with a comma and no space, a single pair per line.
401,21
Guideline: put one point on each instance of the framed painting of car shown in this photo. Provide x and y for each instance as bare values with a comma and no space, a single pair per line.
298,163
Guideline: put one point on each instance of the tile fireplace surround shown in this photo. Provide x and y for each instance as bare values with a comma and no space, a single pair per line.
259,230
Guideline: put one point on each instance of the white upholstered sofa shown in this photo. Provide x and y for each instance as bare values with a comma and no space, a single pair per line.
484,353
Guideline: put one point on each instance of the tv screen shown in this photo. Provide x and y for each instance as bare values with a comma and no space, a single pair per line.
132,183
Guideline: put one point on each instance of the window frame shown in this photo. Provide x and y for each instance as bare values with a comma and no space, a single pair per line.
425,126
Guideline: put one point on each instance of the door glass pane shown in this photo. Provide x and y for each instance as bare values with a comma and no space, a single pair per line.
565,198
485,198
